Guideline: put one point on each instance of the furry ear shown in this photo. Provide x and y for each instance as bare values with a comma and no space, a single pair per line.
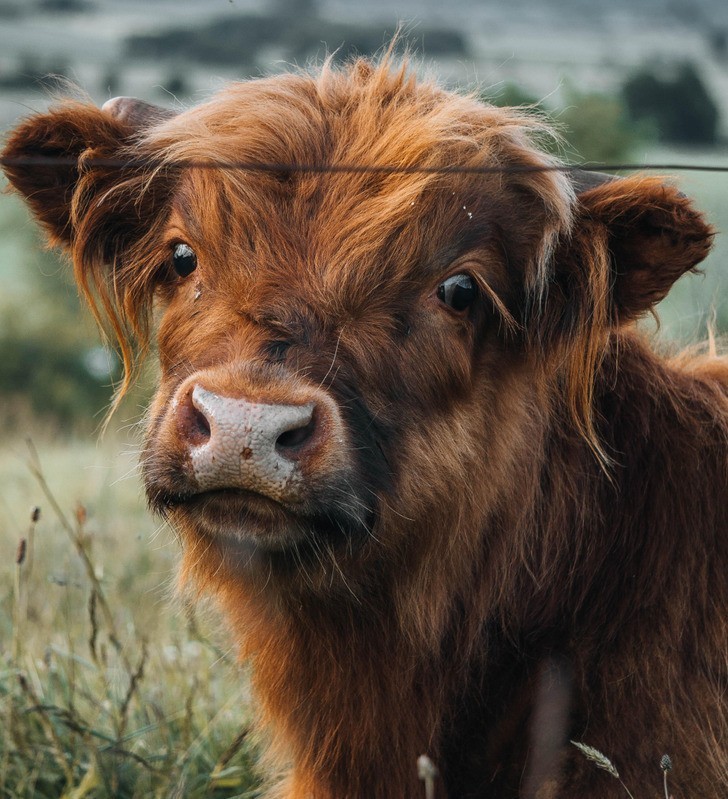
108,215
630,240
43,159
653,235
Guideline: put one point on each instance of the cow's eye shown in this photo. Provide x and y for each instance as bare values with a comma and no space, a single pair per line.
184,260
458,291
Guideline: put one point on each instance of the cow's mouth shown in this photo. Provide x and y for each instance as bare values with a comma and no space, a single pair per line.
250,521
239,514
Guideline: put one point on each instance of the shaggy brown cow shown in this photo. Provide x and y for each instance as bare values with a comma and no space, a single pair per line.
450,499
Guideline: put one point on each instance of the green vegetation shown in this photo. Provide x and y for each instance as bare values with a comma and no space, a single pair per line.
667,104
108,689
675,101
54,366
594,126
237,41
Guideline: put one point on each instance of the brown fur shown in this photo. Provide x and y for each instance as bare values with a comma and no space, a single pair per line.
544,497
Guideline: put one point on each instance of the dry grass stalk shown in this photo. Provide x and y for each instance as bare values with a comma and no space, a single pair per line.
94,623
77,537
218,777
18,605
134,681
601,761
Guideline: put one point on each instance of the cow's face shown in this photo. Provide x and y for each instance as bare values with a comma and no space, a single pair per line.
354,365
333,347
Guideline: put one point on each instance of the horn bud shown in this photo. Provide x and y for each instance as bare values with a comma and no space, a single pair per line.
135,113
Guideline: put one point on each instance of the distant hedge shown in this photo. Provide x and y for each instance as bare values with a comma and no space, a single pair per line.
676,101
237,40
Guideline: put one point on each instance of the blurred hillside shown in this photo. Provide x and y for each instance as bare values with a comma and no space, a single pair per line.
135,47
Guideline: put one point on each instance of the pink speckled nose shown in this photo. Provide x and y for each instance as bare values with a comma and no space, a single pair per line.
235,443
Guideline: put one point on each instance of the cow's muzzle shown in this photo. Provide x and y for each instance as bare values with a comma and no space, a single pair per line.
264,462
261,447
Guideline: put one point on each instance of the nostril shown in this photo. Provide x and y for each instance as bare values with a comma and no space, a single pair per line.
292,440
193,424
200,424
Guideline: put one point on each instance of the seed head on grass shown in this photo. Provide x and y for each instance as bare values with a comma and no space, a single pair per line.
600,761
19,602
34,518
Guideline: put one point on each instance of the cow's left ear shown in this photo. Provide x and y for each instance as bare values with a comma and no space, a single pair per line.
652,236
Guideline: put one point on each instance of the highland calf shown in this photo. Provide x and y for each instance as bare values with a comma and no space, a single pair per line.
448,496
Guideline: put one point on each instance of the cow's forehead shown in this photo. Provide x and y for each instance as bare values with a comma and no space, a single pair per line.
335,118
337,218
358,220
376,118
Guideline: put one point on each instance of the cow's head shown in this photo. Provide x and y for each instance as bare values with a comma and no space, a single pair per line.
355,366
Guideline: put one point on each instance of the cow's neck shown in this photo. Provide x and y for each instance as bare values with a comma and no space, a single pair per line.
344,694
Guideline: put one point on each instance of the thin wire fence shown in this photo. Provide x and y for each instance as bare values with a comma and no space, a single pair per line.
41,161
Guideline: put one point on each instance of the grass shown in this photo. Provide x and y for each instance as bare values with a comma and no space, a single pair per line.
108,686
601,761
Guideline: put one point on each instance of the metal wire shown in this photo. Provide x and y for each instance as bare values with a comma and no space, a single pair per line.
386,169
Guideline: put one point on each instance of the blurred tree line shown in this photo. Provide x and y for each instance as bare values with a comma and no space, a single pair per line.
675,101
294,28
670,104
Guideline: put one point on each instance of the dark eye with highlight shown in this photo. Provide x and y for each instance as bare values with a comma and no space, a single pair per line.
458,292
184,260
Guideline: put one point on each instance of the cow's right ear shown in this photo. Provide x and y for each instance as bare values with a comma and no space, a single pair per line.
44,155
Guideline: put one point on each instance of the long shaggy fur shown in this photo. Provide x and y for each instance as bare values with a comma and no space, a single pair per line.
539,497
